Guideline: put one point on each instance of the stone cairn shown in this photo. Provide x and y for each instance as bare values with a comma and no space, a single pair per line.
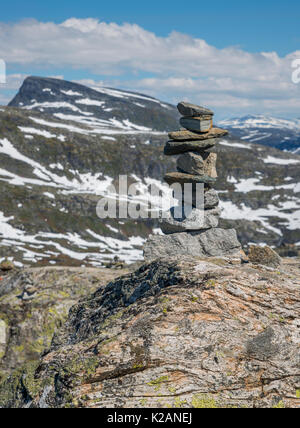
195,232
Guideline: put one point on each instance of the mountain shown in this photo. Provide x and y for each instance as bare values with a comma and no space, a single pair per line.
280,133
56,164
174,333
105,109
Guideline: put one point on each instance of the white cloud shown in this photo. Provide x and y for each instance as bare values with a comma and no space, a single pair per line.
180,66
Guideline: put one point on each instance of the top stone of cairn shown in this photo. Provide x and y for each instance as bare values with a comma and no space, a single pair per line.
191,110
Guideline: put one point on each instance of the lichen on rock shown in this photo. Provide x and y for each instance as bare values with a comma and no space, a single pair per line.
175,333
34,303
264,256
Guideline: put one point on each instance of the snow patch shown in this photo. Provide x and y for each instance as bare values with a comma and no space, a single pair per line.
279,161
71,93
89,102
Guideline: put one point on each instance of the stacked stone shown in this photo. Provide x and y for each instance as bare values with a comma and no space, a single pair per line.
194,232
195,165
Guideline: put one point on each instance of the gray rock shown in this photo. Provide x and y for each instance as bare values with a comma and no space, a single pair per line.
193,163
191,219
187,109
182,328
264,256
208,200
210,164
185,135
211,199
179,147
209,243
46,294
198,196
181,178
196,124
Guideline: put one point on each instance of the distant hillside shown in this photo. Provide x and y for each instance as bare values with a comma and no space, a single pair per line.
269,131
55,165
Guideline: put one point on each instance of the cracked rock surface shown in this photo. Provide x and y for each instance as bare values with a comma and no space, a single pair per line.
188,333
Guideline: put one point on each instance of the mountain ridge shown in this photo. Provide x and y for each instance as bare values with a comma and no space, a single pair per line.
101,107
275,132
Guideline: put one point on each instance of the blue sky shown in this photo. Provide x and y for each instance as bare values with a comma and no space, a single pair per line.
230,37
254,25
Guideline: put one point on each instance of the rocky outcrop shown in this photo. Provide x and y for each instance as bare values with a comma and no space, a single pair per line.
34,303
175,333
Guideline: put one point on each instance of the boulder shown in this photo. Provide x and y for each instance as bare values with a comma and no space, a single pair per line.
176,333
191,163
195,164
208,243
264,256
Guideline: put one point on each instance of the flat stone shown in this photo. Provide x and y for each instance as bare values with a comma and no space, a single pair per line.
181,178
194,163
191,219
179,147
187,109
209,243
184,135
196,124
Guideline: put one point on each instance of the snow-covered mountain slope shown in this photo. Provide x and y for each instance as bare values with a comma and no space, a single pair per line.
280,133
104,110
53,172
